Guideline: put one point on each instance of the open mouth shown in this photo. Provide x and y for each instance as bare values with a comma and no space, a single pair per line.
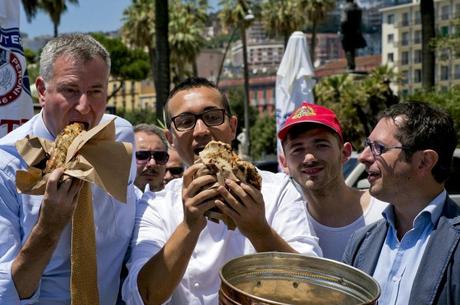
85,124
197,150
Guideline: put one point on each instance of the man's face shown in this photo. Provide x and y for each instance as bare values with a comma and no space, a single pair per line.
390,174
315,159
76,93
190,142
149,171
174,167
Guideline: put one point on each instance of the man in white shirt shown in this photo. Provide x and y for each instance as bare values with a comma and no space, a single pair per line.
176,251
315,152
36,230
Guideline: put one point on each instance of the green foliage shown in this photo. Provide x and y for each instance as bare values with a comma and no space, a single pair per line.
263,137
139,116
357,101
236,99
132,64
31,56
447,100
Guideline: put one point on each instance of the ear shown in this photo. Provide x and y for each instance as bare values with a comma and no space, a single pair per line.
346,151
41,90
233,125
427,160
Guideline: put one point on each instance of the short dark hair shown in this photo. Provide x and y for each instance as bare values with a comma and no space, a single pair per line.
194,82
426,127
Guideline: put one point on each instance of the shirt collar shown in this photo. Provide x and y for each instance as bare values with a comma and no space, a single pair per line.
41,130
433,209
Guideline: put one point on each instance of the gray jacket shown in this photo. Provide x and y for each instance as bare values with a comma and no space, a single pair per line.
438,278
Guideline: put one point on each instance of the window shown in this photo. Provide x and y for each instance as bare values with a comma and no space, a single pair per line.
405,77
417,75
417,56
390,19
405,58
444,54
405,19
417,19
457,71
417,37
405,39
390,38
444,31
445,12
444,72
390,57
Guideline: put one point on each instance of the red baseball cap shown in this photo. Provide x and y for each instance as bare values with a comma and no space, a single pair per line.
311,113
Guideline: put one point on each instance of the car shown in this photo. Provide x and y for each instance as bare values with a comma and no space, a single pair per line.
356,175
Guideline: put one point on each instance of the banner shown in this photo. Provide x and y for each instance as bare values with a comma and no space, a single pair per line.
294,80
16,105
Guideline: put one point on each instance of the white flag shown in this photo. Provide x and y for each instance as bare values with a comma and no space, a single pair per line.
294,79
16,105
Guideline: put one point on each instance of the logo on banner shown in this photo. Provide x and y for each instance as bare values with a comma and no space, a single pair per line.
10,77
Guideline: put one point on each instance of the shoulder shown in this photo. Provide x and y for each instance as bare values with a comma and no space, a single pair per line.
123,128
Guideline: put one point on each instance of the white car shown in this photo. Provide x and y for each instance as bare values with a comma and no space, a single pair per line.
356,175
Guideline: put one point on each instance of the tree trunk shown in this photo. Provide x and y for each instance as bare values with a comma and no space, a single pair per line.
162,55
222,62
313,42
428,34
55,29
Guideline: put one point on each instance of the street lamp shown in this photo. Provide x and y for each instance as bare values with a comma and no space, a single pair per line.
247,18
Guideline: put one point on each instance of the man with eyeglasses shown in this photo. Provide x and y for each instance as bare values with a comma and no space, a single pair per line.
315,152
174,167
176,252
151,157
414,252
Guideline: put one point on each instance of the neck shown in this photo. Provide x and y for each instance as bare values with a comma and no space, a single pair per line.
337,205
407,207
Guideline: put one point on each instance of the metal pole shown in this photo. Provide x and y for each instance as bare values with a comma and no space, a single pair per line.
246,90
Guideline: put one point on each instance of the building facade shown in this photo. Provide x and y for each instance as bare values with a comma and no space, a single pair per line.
402,44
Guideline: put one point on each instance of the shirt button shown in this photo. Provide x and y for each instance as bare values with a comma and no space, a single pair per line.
196,285
396,278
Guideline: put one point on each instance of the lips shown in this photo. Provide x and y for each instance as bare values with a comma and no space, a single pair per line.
372,176
311,171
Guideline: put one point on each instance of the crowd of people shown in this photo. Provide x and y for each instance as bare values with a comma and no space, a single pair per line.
159,247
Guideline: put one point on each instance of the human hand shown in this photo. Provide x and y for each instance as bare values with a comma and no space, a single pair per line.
245,205
196,198
59,201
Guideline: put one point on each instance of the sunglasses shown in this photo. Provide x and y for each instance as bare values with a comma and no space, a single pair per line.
175,171
161,157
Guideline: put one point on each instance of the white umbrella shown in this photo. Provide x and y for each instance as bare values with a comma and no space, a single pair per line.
294,79
15,101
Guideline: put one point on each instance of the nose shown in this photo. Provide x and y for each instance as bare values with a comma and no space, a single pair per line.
151,161
200,128
83,105
309,157
366,156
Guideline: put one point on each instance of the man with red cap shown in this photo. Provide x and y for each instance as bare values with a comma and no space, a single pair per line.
314,154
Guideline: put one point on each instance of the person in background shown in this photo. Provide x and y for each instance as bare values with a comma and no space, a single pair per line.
315,152
36,230
174,167
414,252
176,251
151,157
350,30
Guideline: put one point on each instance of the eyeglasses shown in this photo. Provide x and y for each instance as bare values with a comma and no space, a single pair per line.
161,157
377,149
187,121
175,171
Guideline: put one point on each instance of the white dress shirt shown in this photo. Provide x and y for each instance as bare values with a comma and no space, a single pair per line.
158,217
114,222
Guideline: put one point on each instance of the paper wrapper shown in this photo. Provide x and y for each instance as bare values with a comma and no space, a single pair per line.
94,156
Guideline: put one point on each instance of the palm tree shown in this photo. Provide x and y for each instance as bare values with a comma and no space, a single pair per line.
316,11
186,25
280,18
163,80
428,34
54,8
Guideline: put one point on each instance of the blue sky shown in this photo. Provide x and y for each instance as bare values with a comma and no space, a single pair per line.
88,16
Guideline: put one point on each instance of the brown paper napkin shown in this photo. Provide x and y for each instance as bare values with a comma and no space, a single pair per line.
95,157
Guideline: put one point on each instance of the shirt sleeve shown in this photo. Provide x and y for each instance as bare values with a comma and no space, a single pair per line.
290,221
11,235
151,232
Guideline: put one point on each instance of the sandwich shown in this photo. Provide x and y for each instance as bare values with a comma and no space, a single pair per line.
220,161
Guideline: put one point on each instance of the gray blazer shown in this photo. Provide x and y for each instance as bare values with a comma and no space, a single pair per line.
438,278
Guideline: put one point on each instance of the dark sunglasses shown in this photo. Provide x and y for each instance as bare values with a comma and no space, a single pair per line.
161,157
175,171
187,121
